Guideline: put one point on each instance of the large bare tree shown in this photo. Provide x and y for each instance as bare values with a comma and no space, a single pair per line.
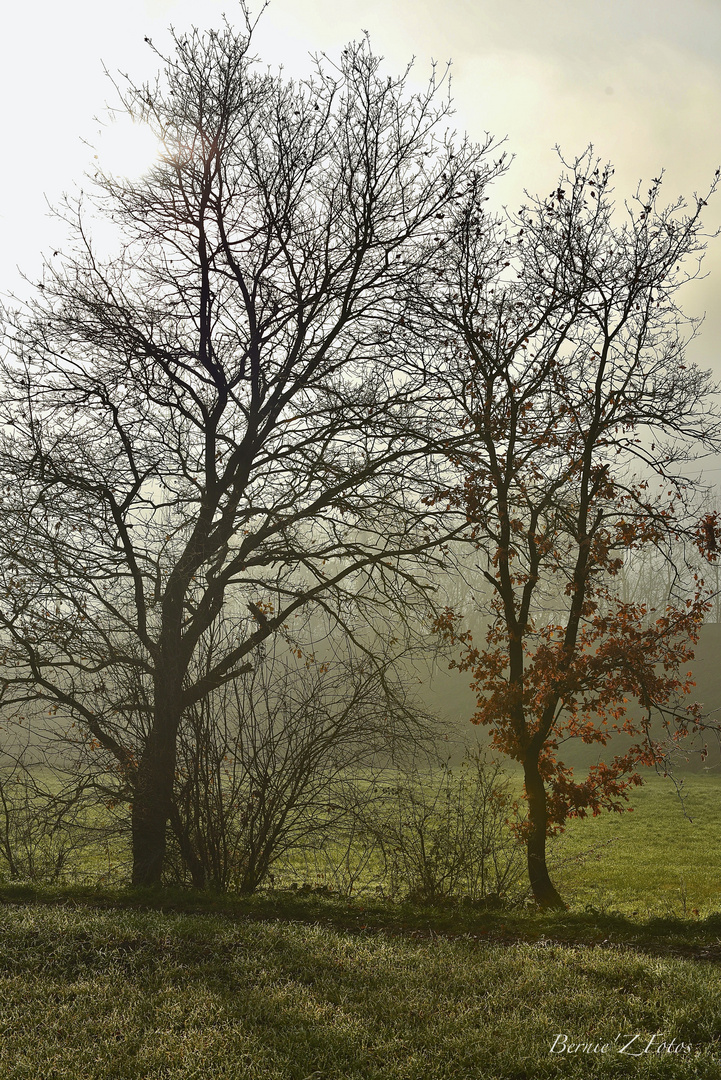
215,416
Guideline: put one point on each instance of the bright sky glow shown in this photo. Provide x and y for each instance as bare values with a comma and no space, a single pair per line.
127,149
640,79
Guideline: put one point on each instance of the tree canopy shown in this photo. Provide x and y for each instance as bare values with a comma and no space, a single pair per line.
310,368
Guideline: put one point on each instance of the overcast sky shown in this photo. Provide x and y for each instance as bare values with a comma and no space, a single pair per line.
640,79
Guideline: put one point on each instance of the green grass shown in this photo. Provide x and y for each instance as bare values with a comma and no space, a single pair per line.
662,858
121,984
88,993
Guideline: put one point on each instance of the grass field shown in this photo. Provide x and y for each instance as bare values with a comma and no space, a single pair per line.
123,994
662,858
99,984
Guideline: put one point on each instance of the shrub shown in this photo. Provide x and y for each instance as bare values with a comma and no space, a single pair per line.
428,835
49,824
267,764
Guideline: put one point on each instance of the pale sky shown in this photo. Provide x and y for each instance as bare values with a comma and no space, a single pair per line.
640,79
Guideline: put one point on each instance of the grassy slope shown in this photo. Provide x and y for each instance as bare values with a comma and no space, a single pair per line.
125,985
127,994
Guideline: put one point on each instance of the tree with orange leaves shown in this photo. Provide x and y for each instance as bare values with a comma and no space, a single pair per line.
575,409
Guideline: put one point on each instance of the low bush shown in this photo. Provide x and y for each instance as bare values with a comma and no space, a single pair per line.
50,825
425,835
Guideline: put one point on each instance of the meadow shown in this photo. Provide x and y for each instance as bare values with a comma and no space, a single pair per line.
661,858
126,994
298,985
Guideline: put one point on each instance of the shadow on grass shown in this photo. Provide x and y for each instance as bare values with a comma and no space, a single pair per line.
131,987
694,937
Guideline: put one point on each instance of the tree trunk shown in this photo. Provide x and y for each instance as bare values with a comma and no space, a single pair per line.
544,891
153,799
191,860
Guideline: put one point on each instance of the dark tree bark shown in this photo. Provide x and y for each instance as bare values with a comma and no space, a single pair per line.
153,794
543,889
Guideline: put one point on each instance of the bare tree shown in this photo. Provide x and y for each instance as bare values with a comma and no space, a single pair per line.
219,410
568,373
